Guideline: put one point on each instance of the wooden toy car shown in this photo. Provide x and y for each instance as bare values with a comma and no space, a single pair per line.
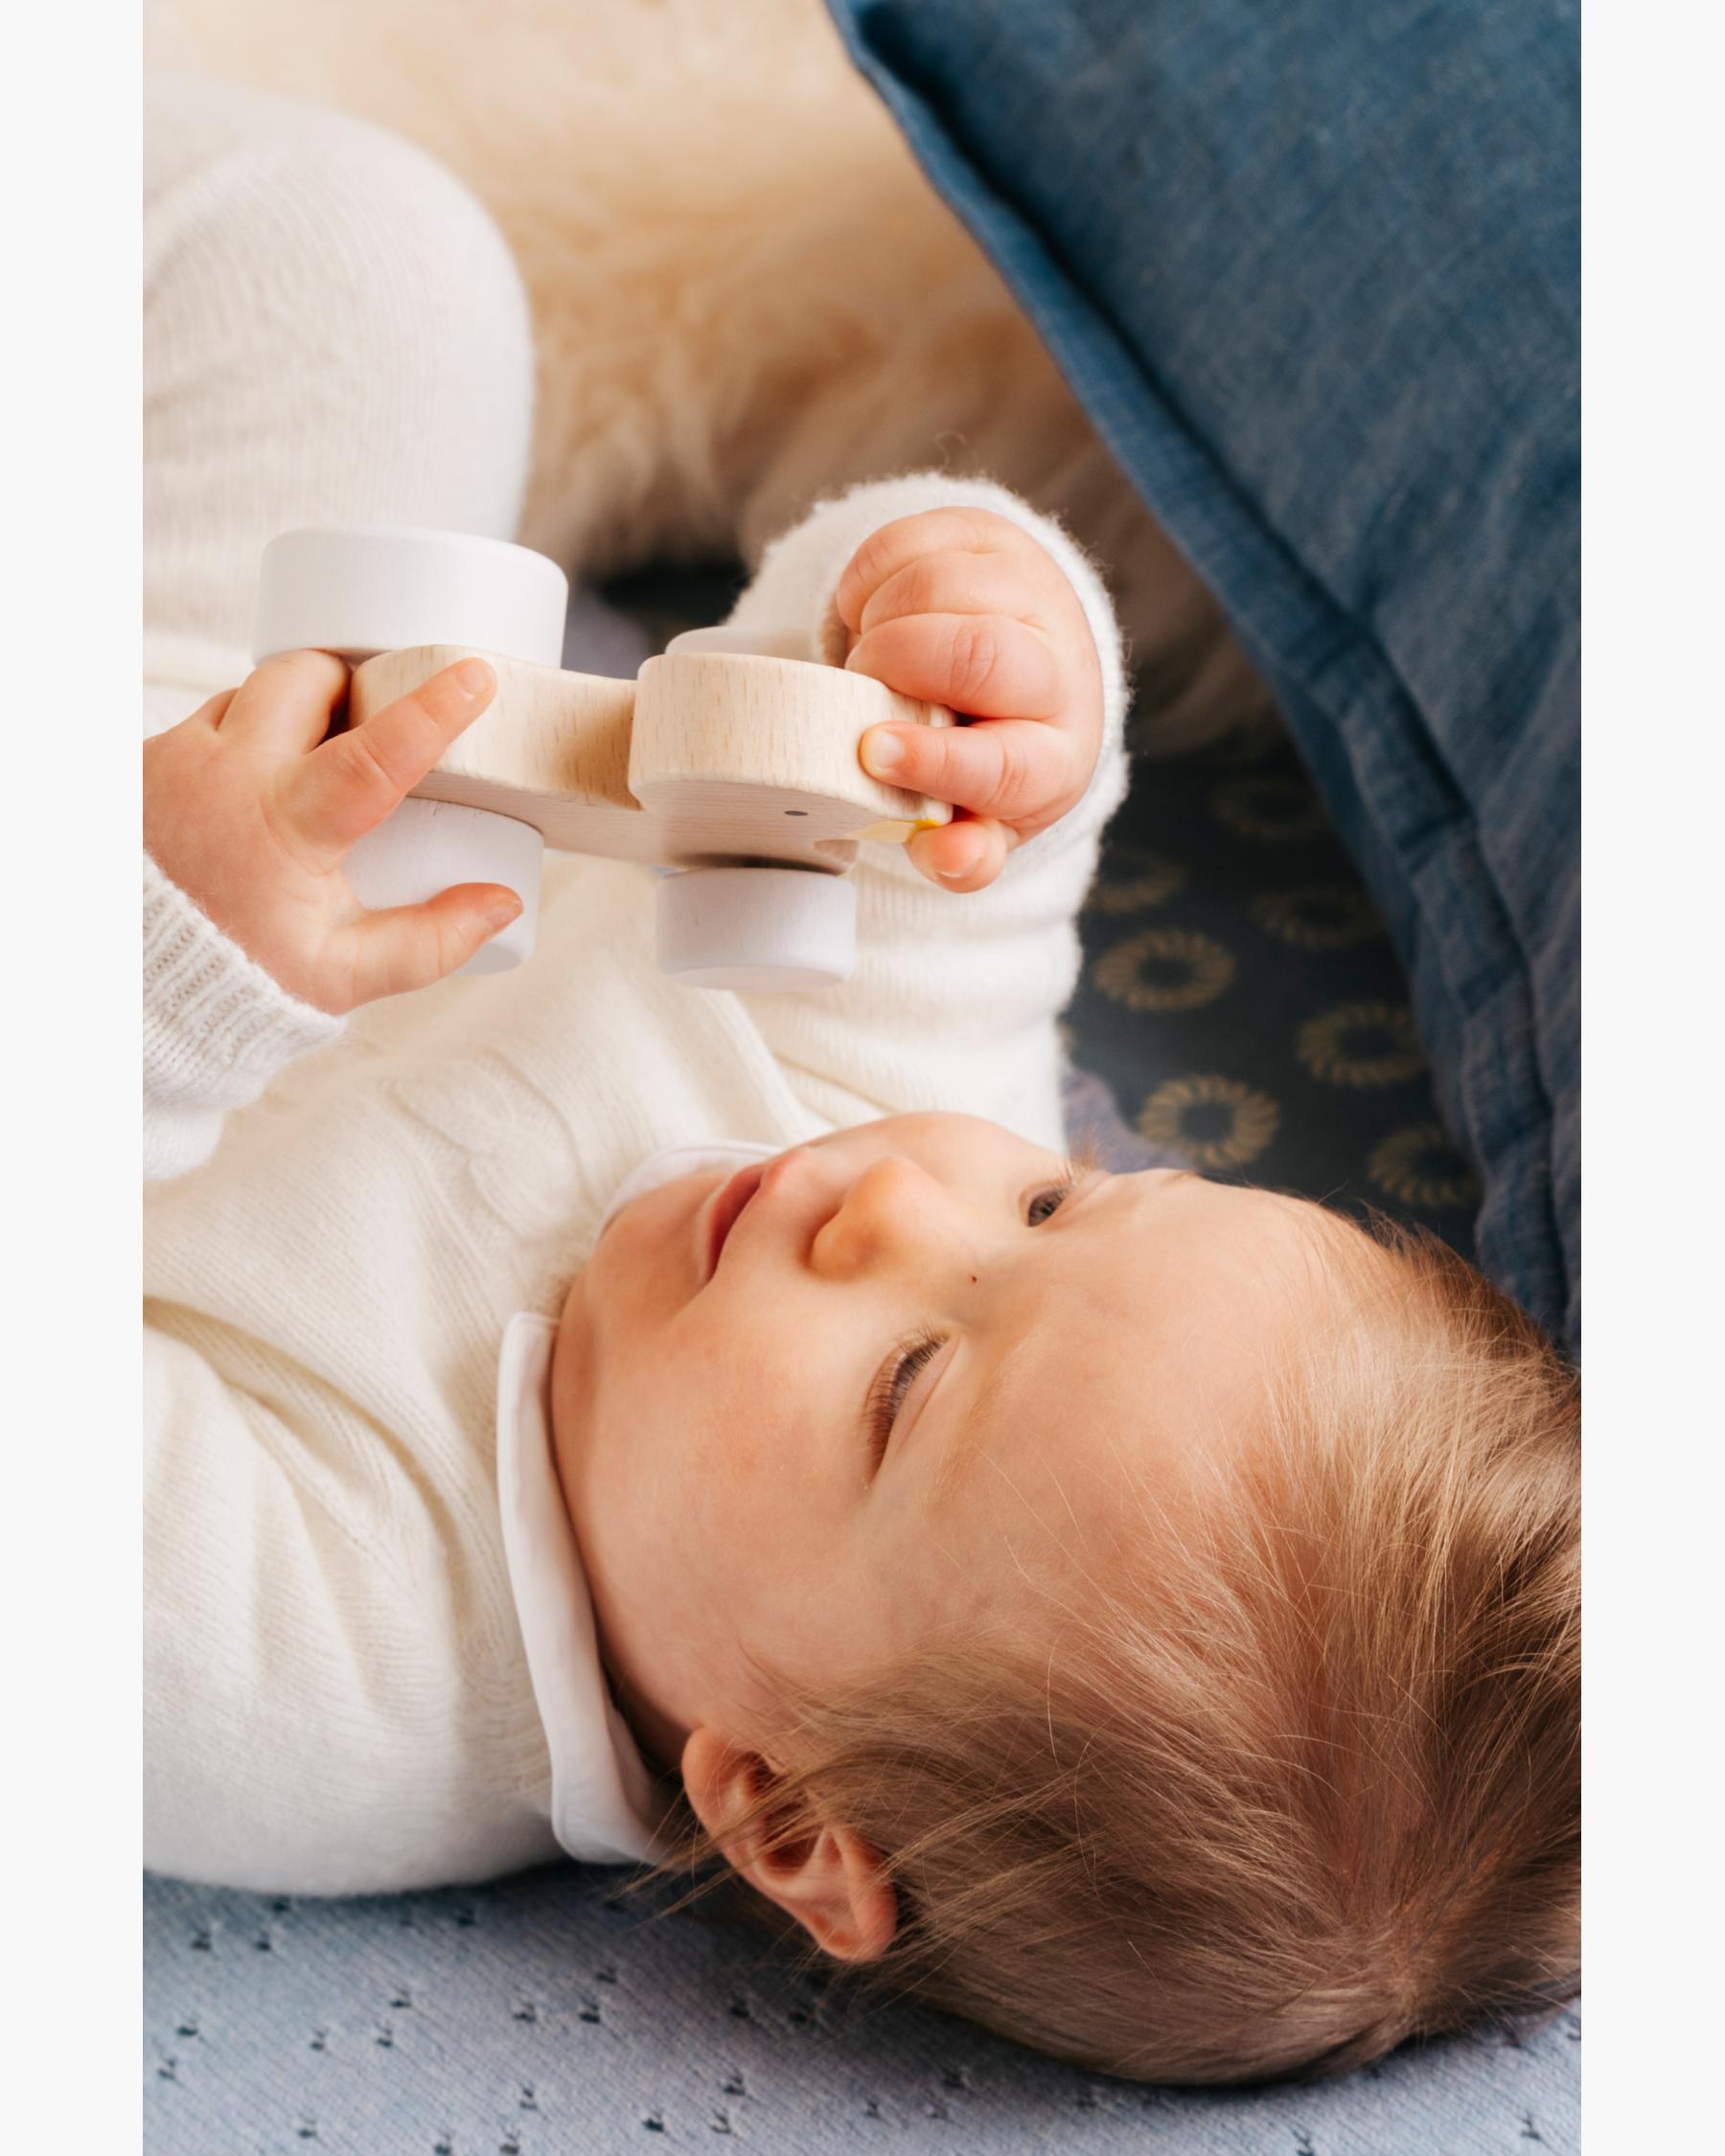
725,763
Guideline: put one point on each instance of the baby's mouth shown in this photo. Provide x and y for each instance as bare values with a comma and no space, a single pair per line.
727,1210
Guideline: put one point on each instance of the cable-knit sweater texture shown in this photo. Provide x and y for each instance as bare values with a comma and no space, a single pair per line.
347,1214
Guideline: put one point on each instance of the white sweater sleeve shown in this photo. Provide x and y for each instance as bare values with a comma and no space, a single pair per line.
217,1028
955,999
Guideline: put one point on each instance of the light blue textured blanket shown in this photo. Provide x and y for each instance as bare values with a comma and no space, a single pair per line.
535,2016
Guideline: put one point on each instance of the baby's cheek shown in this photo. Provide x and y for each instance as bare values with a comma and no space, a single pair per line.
759,1457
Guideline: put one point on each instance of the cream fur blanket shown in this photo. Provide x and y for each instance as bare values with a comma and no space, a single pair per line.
745,293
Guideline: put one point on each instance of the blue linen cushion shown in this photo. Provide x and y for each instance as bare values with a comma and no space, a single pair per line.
1314,273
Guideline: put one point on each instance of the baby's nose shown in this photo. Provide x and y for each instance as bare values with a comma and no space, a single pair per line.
891,1212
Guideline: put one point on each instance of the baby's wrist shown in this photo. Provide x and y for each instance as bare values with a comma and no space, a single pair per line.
216,1025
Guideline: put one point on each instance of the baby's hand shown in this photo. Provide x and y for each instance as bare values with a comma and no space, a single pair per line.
250,811
961,606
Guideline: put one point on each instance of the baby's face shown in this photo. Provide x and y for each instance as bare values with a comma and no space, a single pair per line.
910,1377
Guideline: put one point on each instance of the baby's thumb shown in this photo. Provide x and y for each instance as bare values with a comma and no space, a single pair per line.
409,947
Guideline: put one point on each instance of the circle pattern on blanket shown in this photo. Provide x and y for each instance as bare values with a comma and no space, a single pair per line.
1269,807
1361,1044
1314,1016
1215,1122
1419,1166
1318,917
1165,970
1135,881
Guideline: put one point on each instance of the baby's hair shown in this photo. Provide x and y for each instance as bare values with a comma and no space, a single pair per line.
1306,1788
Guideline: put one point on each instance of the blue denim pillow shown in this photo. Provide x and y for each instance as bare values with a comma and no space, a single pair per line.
1314,272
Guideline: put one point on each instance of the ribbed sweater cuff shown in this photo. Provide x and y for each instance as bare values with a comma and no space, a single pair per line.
217,1027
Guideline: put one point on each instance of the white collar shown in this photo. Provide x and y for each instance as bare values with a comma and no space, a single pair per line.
604,1807
600,1790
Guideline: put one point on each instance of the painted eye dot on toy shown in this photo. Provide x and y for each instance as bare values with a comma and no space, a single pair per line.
725,761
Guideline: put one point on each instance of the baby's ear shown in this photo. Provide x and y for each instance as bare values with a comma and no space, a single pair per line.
826,1876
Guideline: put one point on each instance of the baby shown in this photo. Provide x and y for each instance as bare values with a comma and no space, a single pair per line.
588,1415
1135,1613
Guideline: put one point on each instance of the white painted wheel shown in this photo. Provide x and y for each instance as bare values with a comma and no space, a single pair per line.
758,930
359,591
425,846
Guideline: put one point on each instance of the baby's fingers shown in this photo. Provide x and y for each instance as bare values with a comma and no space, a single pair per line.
1016,770
346,787
410,947
963,856
988,666
286,702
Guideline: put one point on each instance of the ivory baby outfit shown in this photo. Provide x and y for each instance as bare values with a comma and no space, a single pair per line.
356,1678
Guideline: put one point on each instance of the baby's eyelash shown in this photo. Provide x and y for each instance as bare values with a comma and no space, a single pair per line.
887,1394
1082,1162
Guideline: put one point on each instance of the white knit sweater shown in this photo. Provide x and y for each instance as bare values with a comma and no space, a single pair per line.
336,1696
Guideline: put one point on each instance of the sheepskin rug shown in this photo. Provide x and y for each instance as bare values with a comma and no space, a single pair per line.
745,293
